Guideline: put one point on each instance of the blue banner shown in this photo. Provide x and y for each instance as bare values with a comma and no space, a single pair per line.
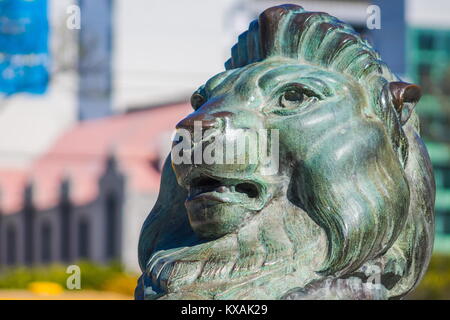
24,53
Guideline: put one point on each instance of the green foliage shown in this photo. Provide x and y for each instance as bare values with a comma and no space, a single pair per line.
436,283
93,277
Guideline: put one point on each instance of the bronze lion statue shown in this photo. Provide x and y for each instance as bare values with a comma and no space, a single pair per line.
349,212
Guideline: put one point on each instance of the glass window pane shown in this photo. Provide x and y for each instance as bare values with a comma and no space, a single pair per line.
426,41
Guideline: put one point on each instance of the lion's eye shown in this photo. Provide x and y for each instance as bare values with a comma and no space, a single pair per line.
292,98
197,100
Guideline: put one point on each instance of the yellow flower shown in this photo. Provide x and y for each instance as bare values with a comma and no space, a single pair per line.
45,288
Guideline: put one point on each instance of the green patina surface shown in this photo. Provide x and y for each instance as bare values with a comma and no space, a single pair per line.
352,196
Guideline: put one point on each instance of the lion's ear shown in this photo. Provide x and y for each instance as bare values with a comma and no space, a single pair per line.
404,97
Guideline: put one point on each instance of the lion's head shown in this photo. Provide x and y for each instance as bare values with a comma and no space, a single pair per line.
353,188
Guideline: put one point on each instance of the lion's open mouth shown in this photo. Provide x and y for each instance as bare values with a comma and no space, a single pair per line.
223,190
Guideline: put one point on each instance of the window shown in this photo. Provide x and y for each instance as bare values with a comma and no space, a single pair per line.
46,242
11,245
83,238
425,80
1,238
442,221
438,177
429,59
447,44
446,222
446,178
442,176
29,234
111,215
66,234
445,83
426,41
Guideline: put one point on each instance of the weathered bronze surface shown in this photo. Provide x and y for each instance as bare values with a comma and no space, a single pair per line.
349,213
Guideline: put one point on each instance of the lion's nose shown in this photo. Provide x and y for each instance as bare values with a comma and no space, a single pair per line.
205,121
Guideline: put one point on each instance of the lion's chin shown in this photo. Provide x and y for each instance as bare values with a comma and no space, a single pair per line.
211,218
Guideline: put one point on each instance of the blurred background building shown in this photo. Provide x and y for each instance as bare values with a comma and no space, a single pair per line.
90,92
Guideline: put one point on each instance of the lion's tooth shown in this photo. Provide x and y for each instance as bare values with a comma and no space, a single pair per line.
222,189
